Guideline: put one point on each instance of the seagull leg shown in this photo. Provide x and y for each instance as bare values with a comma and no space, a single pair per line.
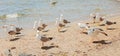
94,20
59,28
106,27
81,31
12,36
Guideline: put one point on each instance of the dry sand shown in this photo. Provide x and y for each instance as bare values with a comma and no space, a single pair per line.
70,43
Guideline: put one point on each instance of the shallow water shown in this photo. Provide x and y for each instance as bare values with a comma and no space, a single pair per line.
41,9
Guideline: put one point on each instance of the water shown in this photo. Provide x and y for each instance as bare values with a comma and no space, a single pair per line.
41,9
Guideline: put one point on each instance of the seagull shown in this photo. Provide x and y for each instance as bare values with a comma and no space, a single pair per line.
65,21
53,2
101,21
40,28
11,32
107,23
102,18
83,26
15,31
93,16
60,26
93,32
43,38
18,30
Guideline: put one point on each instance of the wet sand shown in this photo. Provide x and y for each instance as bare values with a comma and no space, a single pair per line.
68,43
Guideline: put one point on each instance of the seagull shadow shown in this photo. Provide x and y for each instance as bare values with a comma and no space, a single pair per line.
111,28
85,33
45,31
13,48
63,31
102,25
102,42
47,47
14,39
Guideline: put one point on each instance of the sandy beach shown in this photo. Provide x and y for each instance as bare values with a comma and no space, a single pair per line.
69,43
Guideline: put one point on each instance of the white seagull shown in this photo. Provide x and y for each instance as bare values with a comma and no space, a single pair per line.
83,26
93,32
42,38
